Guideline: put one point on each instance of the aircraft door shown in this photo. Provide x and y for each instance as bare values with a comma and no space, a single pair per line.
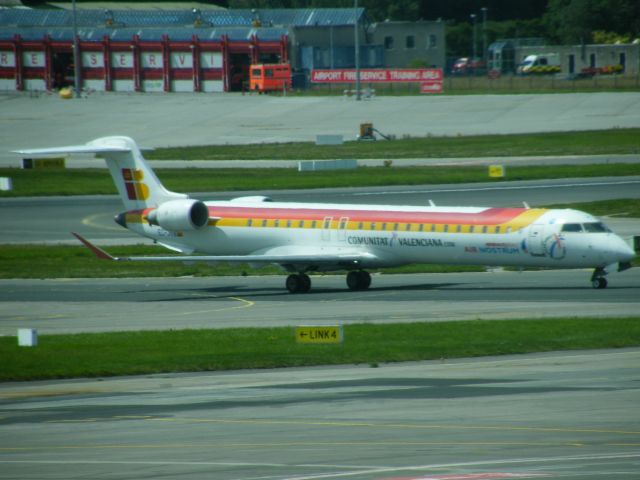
326,228
536,240
342,228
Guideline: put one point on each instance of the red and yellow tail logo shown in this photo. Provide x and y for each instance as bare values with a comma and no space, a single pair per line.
136,189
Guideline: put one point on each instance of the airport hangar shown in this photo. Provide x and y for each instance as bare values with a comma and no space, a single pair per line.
199,50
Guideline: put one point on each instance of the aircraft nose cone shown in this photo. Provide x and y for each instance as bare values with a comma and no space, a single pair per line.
621,250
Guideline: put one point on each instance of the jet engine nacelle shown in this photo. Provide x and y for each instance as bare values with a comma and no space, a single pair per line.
178,215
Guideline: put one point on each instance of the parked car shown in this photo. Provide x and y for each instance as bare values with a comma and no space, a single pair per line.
468,66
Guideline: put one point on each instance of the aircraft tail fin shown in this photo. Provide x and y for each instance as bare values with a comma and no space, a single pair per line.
137,184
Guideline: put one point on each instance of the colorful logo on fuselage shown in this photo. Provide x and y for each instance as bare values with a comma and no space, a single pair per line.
554,246
136,189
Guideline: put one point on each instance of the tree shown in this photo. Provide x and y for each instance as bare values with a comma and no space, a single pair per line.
575,21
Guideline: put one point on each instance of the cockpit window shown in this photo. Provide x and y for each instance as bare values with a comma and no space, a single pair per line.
596,227
571,227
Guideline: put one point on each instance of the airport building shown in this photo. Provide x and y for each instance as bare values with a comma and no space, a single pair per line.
198,50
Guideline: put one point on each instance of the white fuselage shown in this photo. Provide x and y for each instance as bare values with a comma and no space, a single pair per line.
398,235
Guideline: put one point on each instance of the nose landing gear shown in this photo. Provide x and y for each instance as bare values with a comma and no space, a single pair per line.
598,279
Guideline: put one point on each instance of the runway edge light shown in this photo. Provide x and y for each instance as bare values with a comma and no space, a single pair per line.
319,334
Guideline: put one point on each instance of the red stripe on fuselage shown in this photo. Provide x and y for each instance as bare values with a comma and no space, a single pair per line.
490,216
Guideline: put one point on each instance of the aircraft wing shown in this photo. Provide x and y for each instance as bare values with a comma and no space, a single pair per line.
88,148
328,257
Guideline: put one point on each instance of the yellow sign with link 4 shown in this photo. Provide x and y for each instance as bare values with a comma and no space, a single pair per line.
318,334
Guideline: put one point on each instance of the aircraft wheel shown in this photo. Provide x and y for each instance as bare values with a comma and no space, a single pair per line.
360,280
298,283
599,282
365,280
305,283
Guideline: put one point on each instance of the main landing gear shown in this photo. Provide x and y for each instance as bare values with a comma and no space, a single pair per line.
358,280
301,283
298,283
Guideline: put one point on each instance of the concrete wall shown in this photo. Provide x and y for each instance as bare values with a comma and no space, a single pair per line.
404,42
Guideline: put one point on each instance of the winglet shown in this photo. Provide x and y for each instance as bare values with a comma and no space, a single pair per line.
96,250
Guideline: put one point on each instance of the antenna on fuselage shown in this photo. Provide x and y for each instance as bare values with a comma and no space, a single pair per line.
431,204
526,205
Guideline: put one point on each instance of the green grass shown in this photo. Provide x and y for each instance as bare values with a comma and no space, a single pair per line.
92,181
615,141
621,208
482,85
61,261
135,353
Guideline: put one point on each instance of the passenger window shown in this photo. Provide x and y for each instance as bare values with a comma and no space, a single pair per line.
497,229
313,224
264,222
571,227
472,228
459,228
446,228
408,227
301,224
421,228
249,222
360,226
396,226
484,229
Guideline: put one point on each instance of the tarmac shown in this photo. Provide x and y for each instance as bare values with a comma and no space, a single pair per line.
39,120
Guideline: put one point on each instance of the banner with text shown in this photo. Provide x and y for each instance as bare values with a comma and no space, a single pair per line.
378,75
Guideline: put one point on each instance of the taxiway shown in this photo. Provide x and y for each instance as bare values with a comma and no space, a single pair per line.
94,305
562,415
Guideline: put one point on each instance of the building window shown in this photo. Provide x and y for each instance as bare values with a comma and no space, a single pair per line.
432,41
388,43
410,41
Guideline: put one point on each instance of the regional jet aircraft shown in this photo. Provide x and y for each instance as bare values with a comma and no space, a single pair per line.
309,237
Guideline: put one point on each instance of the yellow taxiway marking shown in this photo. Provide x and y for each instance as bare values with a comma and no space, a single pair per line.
245,304
37,317
363,443
398,425
90,221
383,426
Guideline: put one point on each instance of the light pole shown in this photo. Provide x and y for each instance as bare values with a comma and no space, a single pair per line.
76,51
357,47
473,45
484,33
330,44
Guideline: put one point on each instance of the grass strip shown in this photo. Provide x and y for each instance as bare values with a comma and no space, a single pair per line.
614,141
621,208
66,261
135,353
92,181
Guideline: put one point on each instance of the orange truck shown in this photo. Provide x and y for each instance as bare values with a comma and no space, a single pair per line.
270,77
